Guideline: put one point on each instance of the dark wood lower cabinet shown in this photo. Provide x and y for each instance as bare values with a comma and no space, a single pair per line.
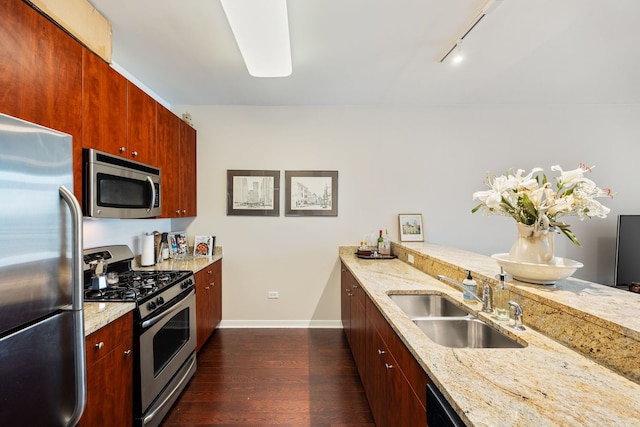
109,375
208,301
394,382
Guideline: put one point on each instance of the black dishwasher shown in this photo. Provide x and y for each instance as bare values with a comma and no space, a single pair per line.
439,412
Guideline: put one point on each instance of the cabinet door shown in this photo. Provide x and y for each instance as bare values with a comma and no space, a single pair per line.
358,329
208,301
41,77
109,375
141,126
168,151
216,294
188,177
203,307
345,301
391,362
376,381
104,106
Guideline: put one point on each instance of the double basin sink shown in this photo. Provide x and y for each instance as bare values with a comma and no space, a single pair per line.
448,324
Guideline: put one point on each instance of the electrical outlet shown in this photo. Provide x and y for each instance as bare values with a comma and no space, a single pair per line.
273,295
410,258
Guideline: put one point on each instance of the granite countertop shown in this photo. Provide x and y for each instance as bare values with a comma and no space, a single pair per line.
544,384
99,314
188,262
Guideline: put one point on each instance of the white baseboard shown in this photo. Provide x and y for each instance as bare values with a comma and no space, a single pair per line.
328,324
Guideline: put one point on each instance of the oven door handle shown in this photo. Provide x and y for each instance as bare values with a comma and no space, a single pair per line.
177,306
153,194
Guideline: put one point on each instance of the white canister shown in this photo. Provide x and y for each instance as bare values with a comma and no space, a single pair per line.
148,254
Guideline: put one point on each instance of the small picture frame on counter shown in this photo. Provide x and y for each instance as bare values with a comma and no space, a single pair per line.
411,229
203,246
178,244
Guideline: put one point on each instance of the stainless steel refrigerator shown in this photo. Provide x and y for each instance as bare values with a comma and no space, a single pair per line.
42,364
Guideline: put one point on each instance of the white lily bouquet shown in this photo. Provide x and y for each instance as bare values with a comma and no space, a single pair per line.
532,200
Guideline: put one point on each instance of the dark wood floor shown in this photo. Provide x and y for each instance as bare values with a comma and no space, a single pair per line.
275,377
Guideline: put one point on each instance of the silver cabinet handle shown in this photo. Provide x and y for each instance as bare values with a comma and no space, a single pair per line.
122,149
99,346
134,154
127,353
386,365
381,352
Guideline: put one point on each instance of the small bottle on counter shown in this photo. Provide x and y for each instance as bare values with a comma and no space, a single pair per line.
501,299
380,242
470,288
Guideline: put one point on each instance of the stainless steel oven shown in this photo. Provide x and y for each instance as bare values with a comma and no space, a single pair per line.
164,326
167,361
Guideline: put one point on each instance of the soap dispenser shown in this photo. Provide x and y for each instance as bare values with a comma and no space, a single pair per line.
501,299
469,288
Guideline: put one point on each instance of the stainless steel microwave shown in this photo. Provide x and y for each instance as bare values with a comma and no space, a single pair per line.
114,187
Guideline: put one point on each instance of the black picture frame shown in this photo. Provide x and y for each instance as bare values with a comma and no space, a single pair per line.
311,193
253,192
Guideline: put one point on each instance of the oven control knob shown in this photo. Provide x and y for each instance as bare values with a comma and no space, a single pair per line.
160,301
151,305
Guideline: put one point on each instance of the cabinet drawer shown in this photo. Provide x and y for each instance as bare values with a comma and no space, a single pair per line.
106,339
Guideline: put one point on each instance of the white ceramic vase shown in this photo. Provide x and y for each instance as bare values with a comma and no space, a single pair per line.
533,246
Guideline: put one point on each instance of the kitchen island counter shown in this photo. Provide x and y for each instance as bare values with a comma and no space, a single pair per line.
544,384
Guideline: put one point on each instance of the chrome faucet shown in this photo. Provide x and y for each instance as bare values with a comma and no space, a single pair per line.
455,282
517,316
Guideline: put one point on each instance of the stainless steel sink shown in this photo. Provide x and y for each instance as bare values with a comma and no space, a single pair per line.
427,305
468,332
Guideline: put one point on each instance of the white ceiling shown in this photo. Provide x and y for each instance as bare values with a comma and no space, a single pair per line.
381,52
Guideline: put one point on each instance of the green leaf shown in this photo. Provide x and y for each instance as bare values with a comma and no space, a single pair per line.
474,210
567,232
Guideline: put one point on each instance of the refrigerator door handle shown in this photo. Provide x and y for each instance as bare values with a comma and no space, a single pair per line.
77,303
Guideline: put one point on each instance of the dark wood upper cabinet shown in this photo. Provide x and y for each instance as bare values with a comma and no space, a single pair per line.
104,106
188,176
168,150
141,126
41,74
47,77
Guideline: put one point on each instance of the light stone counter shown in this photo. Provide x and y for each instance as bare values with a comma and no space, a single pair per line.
544,384
99,314
189,262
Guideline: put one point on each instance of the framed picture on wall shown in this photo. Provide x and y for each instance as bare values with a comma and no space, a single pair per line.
411,229
253,192
311,193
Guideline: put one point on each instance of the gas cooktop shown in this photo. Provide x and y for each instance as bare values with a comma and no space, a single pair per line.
150,289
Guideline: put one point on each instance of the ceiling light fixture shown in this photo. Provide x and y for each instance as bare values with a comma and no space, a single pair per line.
261,29
454,51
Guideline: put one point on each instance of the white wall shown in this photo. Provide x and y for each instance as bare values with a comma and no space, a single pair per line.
425,160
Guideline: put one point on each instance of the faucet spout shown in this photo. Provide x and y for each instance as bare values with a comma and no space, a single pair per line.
444,278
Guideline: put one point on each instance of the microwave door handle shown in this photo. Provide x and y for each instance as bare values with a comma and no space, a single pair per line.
153,193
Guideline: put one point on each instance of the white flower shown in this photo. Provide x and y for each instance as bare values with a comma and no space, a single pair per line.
530,199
